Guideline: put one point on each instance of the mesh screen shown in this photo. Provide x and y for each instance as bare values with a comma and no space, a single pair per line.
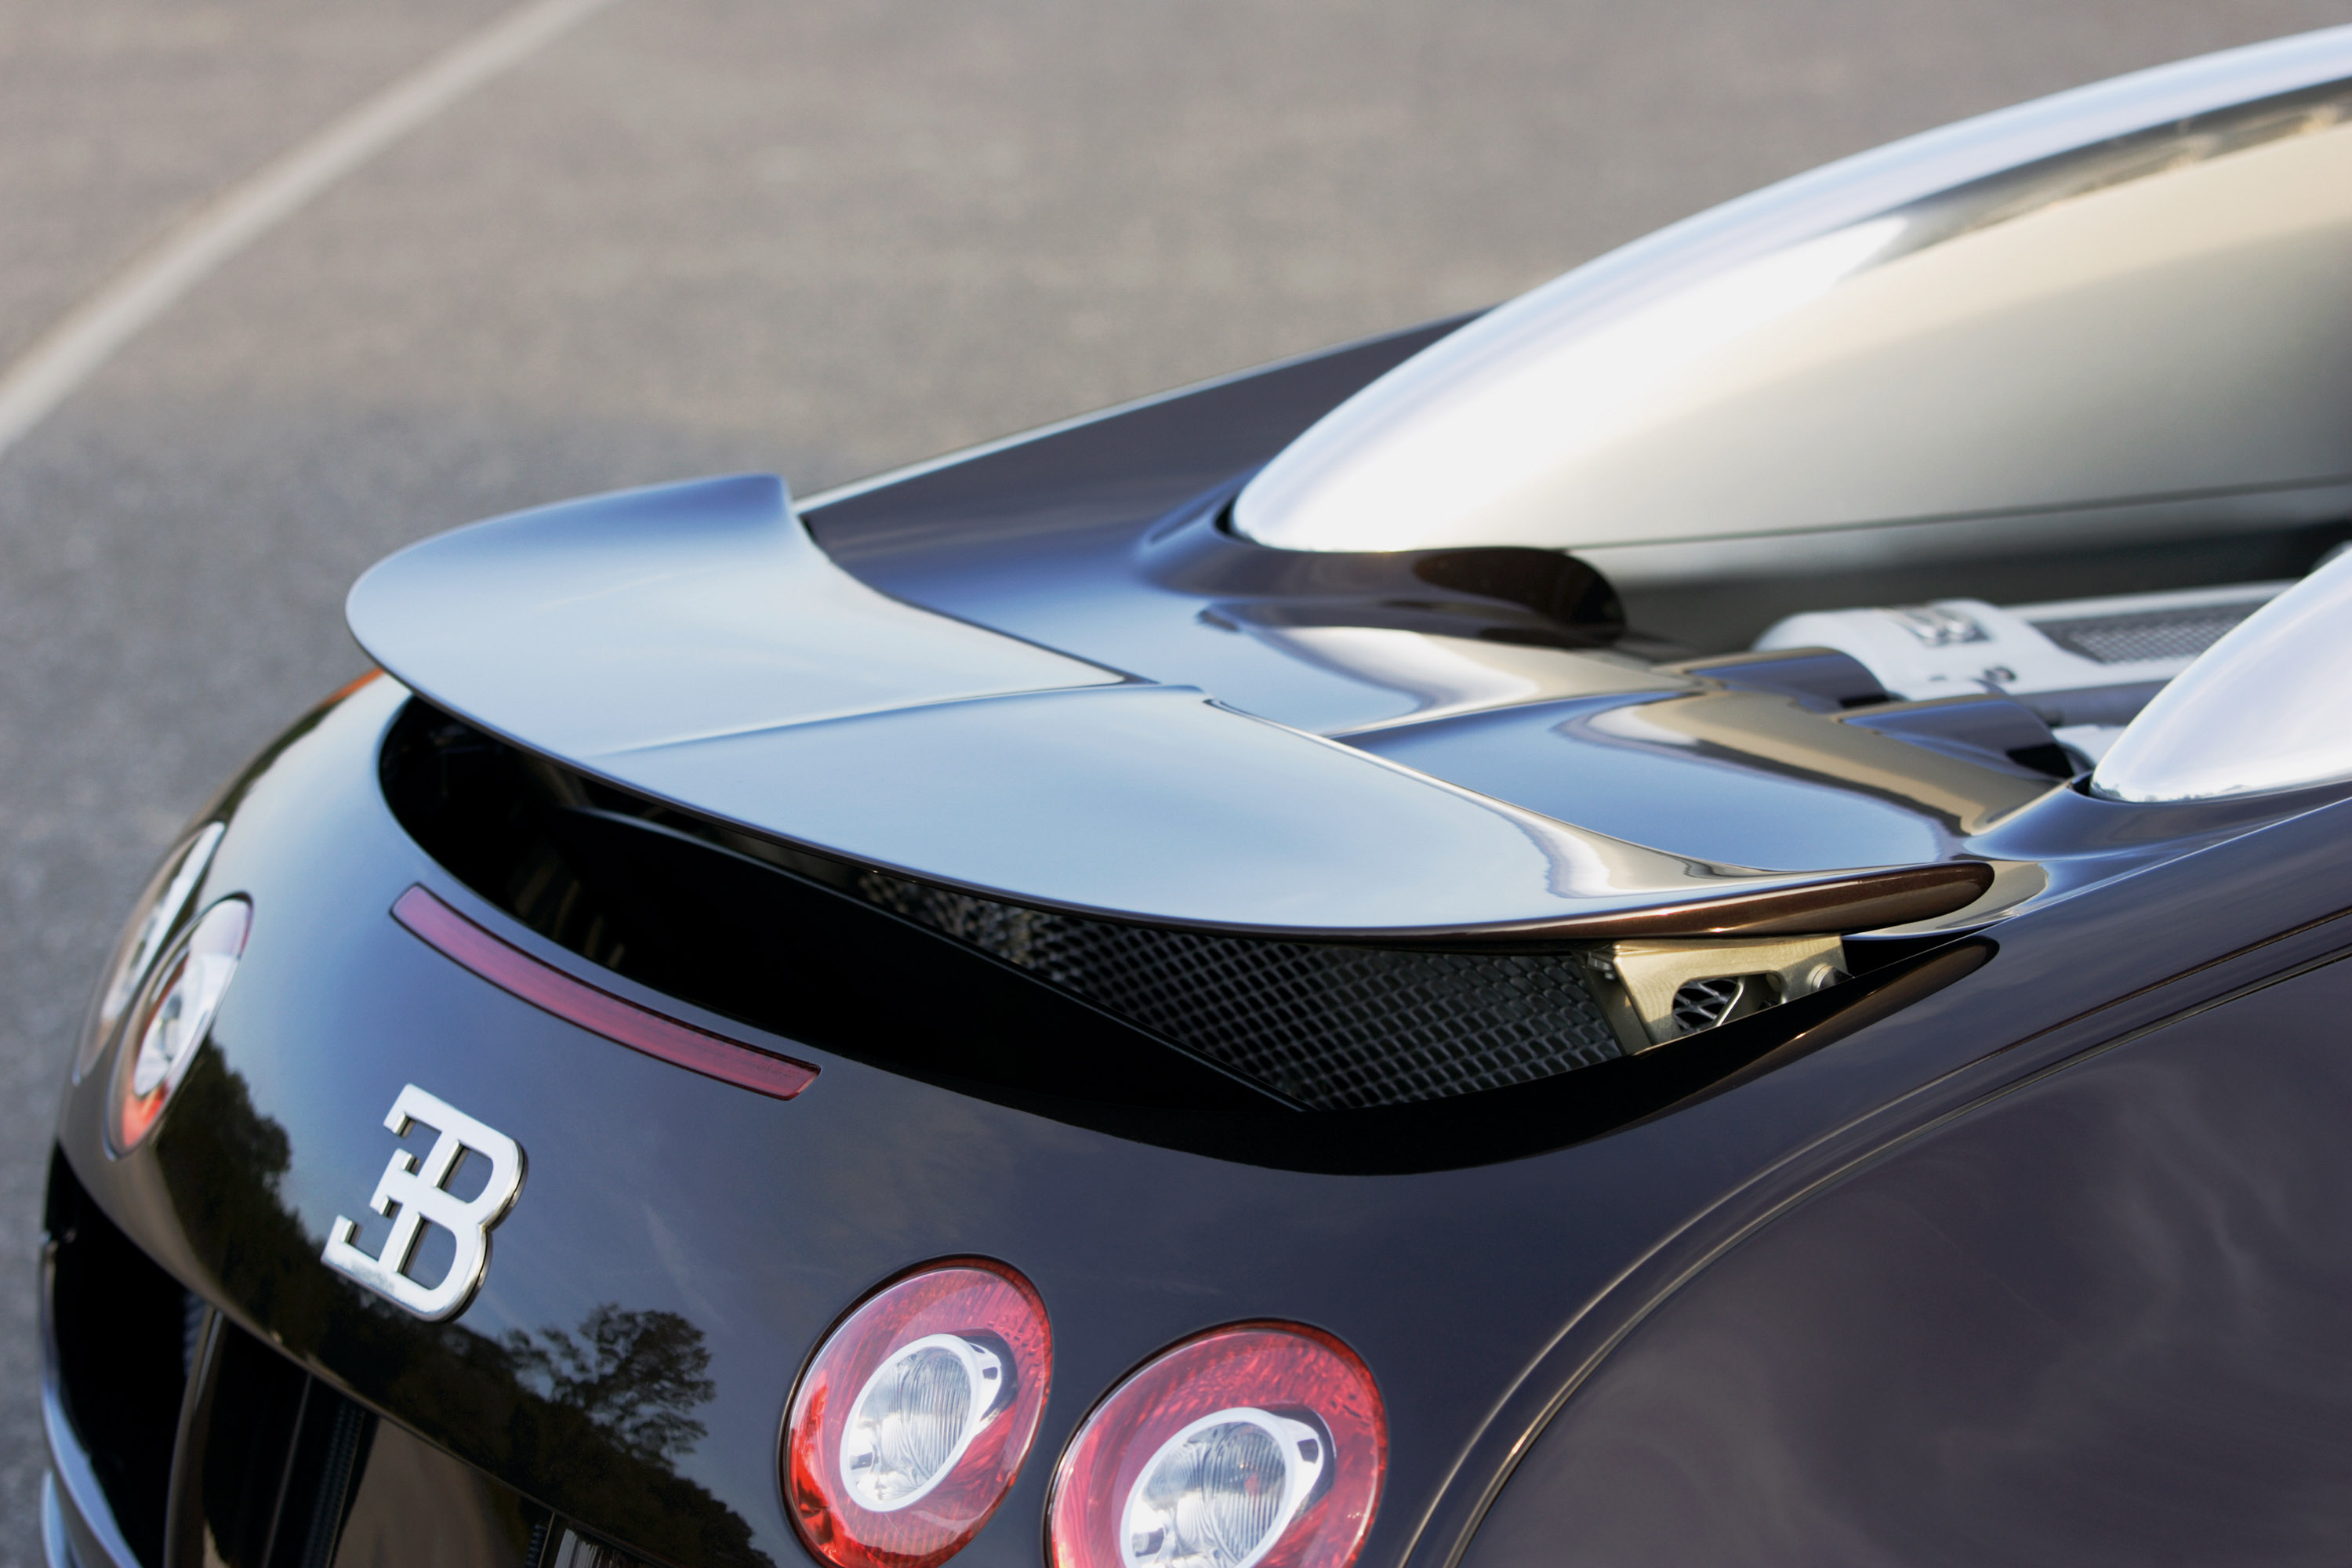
1703,1004
1333,1027
2150,633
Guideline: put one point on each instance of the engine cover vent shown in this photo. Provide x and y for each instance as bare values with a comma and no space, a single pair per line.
2150,633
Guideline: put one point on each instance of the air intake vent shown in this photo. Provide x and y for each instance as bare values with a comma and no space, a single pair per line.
1703,1004
2127,639
851,958
1333,1027
1025,1002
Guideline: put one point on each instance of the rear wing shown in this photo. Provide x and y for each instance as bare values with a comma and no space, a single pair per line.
692,643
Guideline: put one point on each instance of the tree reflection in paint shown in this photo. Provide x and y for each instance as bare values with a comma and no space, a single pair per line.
634,1374
591,1419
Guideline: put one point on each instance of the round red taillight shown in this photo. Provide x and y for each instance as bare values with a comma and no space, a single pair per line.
1256,1445
914,1415
172,1014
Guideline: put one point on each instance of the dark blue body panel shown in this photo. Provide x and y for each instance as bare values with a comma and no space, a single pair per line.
1040,540
1476,1295
1483,1282
2096,1319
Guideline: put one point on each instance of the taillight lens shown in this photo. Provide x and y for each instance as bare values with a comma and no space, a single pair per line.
1257,1445
912,1419
172,1014
153,920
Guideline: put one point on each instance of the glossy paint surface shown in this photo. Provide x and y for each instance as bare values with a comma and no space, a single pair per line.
2114,310
657,618
2096,1319
2257,712
665,1211
1157,803
1057,540
693,644
1042,539
685,610
1101,540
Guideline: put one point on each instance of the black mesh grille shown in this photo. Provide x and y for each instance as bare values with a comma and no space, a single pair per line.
2151,634
1703,1004
1333,1027
697,910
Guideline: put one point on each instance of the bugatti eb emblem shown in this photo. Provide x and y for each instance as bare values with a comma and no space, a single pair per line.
414,1194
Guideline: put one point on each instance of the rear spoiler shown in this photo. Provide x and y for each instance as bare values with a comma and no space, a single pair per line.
691,643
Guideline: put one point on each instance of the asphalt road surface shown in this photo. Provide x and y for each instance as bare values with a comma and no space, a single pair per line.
694,236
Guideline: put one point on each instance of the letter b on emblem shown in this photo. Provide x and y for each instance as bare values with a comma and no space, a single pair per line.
414,1194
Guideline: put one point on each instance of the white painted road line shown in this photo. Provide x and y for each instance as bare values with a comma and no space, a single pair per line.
65,356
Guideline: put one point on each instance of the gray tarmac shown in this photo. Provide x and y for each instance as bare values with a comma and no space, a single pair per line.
696,236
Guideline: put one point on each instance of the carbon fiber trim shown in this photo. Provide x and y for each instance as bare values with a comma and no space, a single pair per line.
1333,1027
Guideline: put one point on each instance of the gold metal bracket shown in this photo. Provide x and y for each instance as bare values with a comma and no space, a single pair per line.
1640,980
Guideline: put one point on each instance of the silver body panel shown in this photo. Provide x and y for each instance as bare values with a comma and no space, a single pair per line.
2107,316
2263,709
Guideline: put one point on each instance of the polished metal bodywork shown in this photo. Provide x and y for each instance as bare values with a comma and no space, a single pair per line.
2109,316
667,617
2263,709
691,643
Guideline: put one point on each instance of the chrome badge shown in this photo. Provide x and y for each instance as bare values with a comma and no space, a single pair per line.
414,1194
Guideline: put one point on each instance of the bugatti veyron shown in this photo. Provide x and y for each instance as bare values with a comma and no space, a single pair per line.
1693,920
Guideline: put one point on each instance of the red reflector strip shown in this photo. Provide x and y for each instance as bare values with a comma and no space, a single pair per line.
544,986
